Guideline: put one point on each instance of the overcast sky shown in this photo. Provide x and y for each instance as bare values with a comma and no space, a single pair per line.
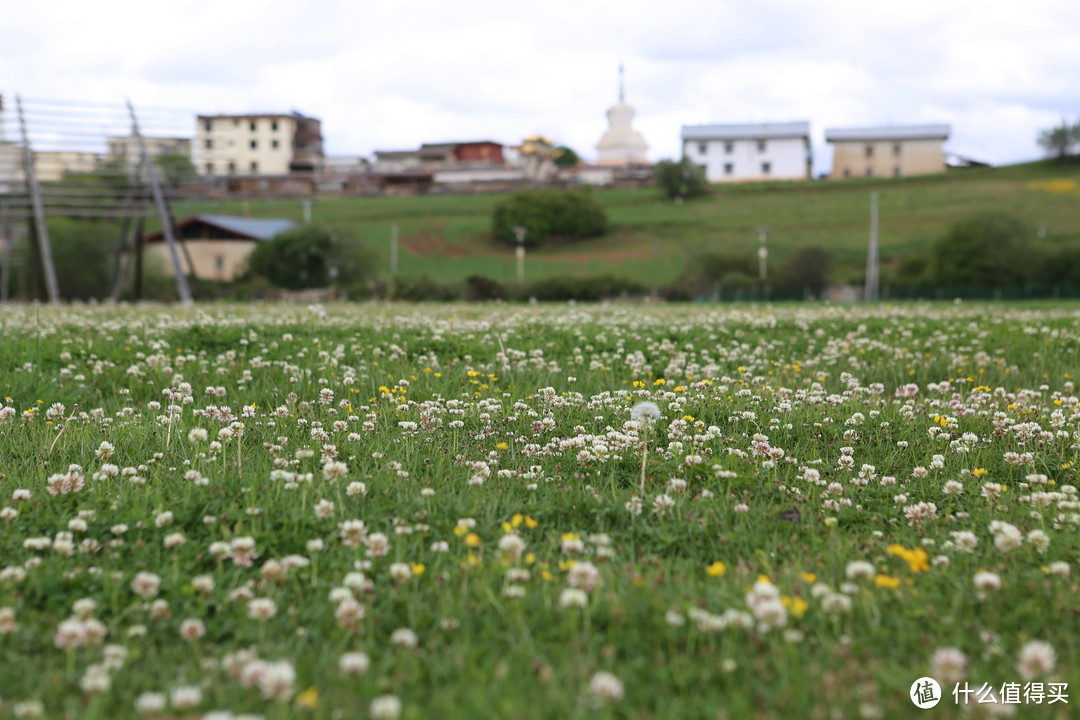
387,74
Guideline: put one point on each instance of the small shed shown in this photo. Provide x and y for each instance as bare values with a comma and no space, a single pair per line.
218,244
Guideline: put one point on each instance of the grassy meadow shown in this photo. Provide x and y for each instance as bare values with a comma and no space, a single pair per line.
493,511
652,239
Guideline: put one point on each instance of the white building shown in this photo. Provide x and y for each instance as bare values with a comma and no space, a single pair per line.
621,144
269,144
739,153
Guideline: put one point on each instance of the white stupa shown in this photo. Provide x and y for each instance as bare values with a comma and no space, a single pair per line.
621,145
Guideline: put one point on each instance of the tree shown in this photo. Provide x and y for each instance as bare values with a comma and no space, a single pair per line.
990,250
548,215
1058,141
309,257
807,267
174,170
681,179
566,157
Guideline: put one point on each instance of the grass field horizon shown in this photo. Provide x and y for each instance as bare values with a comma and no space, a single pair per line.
651,238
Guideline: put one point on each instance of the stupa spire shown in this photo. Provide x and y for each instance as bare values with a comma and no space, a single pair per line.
622,85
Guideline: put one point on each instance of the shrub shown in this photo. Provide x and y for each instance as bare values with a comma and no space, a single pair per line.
309,257
990,250
83,253
807,267
478,287
549,215
421,288
587,289
681,179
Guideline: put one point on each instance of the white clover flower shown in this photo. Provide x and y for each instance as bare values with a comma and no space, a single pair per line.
404,638
605,687
385,707
645,413
1037,658
948,665
859,570
354,663
573,598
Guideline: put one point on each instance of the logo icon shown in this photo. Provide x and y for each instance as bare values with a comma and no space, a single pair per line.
925,693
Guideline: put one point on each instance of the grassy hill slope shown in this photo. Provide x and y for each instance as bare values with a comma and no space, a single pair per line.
652,239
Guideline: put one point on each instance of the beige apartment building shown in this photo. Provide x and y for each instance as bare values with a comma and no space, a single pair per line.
261,144
49,165
896,151
125,148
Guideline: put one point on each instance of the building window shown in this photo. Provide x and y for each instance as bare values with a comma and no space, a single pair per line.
766,168
254,166
253,126
273,125
869,172
729,147
847,172
254,144
274,144
869,151
209,144
209,168
896,171
729,168
896,149
761,146
232,168
207,126
219,262
236,123
702,148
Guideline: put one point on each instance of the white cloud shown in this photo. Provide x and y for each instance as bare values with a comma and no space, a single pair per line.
385,74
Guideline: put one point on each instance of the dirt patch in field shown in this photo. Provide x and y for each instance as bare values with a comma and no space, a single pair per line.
426,244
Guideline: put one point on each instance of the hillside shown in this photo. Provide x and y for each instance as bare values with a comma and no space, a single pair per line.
652,238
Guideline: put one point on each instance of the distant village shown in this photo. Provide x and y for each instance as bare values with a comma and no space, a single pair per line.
281,154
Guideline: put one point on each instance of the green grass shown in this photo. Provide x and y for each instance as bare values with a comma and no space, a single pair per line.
448,237
520,428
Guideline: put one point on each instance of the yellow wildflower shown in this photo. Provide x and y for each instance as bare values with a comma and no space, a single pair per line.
309,698
717,569
887,581
795,604
472,539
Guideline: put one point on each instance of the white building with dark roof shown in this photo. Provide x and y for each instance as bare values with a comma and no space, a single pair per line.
890,151
758,151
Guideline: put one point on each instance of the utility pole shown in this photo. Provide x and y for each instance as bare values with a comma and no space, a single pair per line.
41,230
763,250
393,250
163,214
872,280
520,231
